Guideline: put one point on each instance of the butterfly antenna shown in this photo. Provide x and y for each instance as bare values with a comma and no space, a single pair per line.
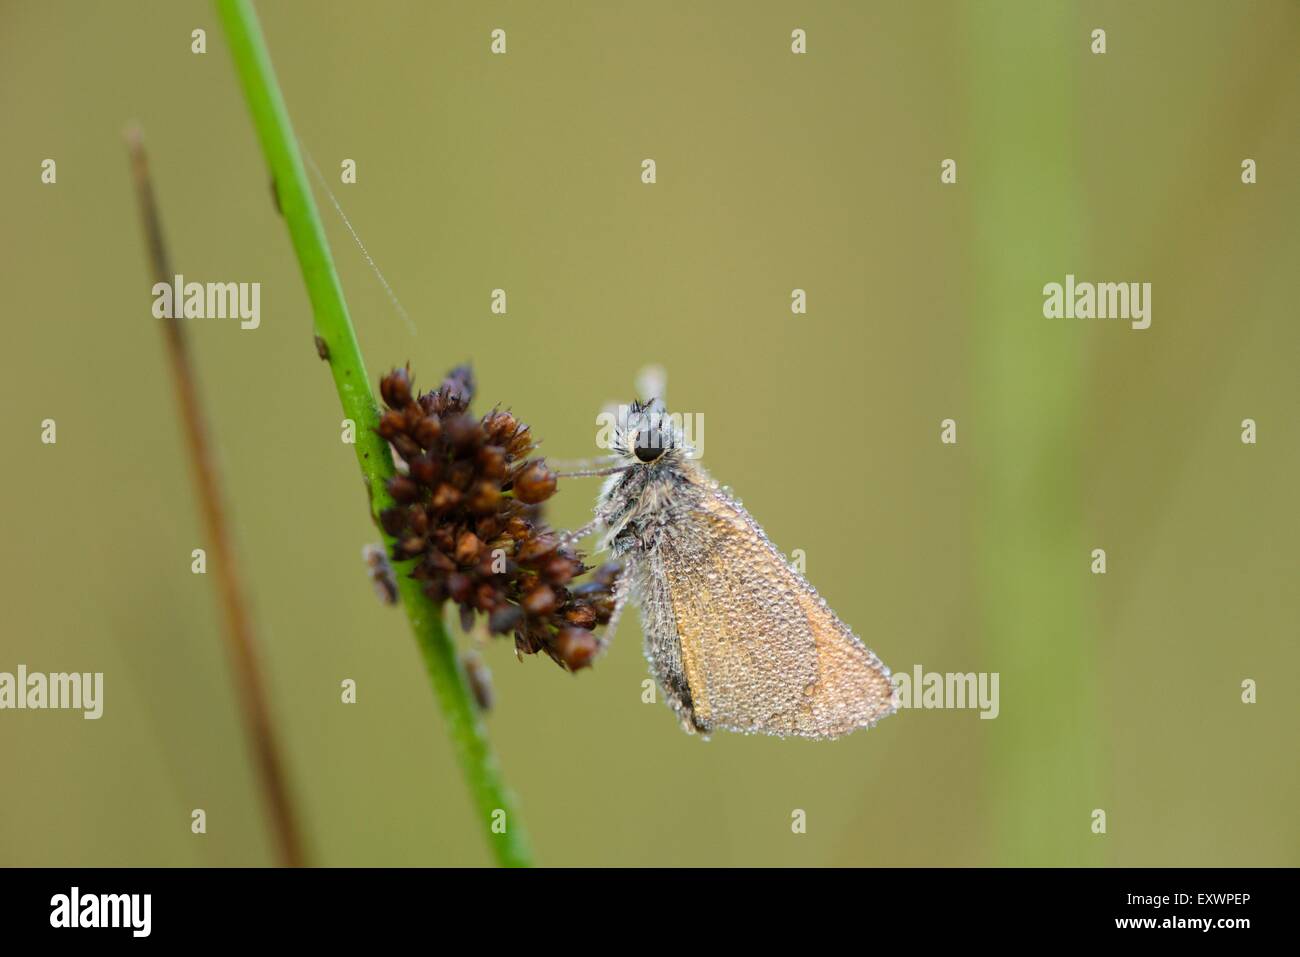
592,473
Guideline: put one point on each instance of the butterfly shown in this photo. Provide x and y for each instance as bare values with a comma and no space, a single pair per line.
736,637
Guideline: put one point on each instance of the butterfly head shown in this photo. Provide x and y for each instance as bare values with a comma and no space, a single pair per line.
648,435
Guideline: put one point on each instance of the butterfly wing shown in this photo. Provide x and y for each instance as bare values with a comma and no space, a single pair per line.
760,651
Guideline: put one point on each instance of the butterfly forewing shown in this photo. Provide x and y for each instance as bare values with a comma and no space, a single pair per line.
759,649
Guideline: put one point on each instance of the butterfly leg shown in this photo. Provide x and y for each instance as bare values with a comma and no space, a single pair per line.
601,520
622,590
573,535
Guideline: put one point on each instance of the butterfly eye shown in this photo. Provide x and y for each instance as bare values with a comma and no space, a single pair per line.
650,444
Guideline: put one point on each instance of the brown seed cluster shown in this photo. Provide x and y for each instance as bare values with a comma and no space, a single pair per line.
468,512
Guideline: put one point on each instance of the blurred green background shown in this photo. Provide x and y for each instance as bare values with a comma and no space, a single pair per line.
775,171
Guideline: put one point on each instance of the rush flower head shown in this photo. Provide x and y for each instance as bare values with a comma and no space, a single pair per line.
468,513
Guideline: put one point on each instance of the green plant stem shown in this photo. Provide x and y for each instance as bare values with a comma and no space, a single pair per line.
334,328
1046,763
